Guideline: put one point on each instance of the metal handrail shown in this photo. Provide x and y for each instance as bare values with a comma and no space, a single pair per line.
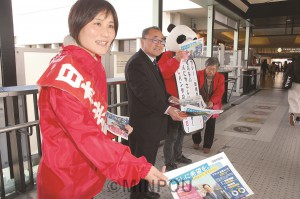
15,132
118,104
20,126
18,90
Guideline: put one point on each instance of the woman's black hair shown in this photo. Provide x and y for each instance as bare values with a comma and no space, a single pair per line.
84,11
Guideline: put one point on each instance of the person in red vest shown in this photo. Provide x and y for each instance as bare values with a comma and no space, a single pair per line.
169,62
78,153
212,88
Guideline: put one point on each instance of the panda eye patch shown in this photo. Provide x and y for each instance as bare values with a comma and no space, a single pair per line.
195,38
180,39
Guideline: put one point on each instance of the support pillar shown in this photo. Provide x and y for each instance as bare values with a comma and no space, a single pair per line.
247,39
210,30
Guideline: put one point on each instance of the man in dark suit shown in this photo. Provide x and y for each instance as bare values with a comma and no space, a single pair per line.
212,194
148,103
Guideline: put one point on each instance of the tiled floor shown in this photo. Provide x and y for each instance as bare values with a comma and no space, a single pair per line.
258,140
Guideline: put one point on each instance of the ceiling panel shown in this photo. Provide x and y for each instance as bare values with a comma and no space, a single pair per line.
263,1
274,23
240,4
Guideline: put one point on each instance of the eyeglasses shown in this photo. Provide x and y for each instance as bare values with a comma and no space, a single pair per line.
157,41
211,69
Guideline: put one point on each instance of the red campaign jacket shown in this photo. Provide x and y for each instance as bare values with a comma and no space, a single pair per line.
77,153
218,89
168,66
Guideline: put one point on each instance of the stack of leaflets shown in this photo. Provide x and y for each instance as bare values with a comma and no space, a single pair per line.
116,124
191,110
195,106
196,101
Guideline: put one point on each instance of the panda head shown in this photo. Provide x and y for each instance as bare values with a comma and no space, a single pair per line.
179,34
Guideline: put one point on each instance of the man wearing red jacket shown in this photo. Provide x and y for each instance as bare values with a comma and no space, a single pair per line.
168,64
212,87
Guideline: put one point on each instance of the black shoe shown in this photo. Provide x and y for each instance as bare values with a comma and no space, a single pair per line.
171,166
151,195
184,160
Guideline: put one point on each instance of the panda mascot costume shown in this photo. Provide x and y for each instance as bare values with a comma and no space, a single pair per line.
169,62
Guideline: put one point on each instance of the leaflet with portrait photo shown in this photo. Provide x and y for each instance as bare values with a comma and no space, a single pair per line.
216,172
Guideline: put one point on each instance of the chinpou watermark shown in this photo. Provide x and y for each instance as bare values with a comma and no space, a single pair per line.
173,185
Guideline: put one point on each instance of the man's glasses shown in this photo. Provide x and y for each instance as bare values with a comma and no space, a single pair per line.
211,69
157,41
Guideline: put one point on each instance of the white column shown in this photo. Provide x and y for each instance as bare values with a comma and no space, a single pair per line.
138,44
155,15
247,38
55,46
235,47
115,46
221,54
210,30
40,46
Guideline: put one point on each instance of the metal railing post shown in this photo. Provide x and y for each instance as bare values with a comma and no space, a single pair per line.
14,144
2,189
18,130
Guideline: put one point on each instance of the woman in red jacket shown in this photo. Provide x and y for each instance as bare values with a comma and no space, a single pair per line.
212,87
78,154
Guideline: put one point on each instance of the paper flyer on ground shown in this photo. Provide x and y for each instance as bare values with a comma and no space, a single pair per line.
214,177
116,124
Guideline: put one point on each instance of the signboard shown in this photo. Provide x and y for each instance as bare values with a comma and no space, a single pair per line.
187,85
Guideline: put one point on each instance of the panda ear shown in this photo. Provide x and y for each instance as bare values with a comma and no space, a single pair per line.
170,27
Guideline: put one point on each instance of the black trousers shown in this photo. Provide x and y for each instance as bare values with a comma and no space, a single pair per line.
209,134
140,148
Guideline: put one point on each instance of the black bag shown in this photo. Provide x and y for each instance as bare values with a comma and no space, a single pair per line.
287,81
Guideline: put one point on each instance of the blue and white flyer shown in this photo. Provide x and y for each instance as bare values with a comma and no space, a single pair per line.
214,177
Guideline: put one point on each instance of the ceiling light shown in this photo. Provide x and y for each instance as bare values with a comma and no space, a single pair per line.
279,50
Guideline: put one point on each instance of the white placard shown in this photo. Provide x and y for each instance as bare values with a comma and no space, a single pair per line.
187,86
